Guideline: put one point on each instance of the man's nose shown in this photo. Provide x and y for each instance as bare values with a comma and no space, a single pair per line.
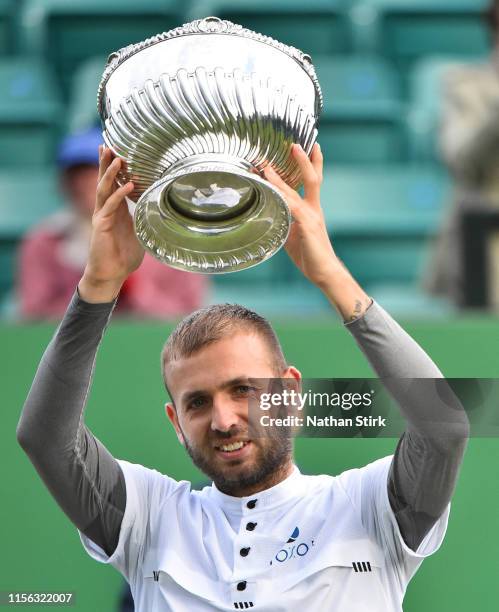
224,415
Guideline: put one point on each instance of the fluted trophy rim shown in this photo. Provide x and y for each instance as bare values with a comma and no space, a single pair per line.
207,25
216,127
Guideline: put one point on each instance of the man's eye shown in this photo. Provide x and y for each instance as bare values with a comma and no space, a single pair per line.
197,402
244,389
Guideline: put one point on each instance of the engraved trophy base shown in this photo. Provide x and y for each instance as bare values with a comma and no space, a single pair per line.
212,214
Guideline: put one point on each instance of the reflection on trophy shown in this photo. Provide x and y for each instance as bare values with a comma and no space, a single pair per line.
197,113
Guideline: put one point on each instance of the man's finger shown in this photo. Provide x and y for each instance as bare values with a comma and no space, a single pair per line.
287,192
105,159
317,160
116,199
107,184
274,178
311,181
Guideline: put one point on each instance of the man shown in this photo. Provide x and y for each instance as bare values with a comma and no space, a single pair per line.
468,143
53,255
262,536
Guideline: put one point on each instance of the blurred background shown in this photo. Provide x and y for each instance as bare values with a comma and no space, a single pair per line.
410,136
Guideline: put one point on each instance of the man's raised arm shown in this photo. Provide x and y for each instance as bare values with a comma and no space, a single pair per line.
425,467
84,478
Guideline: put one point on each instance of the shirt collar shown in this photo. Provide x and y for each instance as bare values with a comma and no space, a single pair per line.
292,486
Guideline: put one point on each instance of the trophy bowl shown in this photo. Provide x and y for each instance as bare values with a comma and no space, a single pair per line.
196,114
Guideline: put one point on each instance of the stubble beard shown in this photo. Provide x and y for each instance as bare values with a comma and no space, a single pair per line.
271,459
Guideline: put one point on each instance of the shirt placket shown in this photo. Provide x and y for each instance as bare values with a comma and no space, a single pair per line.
246,556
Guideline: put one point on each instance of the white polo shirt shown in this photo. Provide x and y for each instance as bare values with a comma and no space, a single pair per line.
308,543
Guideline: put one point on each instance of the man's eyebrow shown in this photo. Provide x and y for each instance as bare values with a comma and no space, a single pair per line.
190,395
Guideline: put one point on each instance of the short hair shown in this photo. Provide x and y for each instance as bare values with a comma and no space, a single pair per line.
207,325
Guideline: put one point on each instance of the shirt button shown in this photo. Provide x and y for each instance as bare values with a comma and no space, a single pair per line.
241,585
251,504
244,552
251,526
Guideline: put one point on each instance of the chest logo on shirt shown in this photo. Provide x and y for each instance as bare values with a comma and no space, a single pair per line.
295,550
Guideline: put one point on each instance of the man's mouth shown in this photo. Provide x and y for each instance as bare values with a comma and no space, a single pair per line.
233,449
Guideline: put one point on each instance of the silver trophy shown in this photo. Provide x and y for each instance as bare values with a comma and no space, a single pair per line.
197,113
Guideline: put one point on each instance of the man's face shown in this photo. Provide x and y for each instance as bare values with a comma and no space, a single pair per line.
80,185
211,389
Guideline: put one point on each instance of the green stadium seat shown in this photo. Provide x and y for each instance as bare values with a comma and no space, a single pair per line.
7,26
316,26
380,219
29,113
66,32
270,288
26,197
425,95
409,300
271,271
363,116
406,30
294,300
82,112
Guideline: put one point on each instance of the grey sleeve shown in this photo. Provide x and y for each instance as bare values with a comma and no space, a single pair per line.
83,477
428,456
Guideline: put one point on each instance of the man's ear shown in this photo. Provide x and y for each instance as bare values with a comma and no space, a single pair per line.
292,379
292,372
171,413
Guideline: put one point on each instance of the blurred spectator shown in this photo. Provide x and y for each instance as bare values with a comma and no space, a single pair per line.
469,144
53,255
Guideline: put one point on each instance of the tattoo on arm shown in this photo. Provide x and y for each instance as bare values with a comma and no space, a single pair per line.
359,309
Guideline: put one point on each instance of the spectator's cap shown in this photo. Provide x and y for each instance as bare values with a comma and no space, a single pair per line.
80,148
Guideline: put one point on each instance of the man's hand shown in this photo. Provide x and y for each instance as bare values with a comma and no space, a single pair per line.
115,251
308,244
